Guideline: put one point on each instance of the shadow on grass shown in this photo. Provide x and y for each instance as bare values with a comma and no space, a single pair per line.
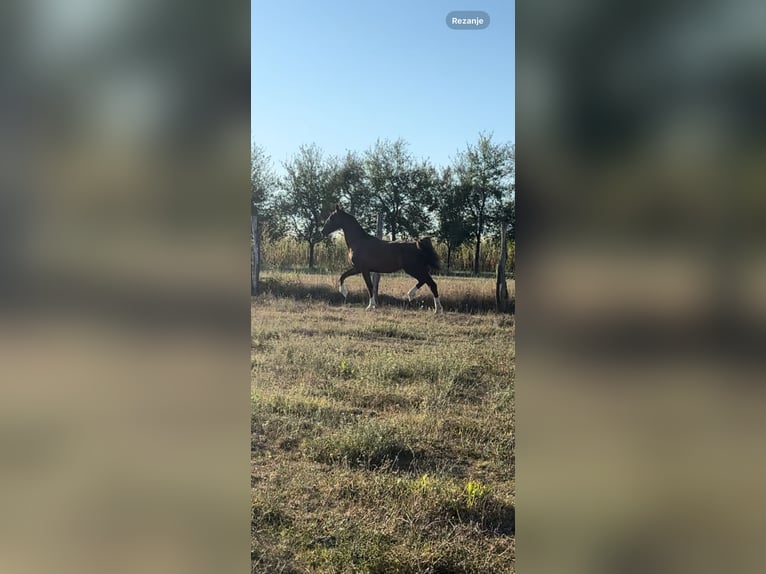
499,518
301,291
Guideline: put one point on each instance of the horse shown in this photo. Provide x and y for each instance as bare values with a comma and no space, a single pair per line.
368,254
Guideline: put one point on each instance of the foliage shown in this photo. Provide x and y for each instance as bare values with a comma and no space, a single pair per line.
308,195
450,203
352,188
468,200
504,212
263,194
400,188
485,170
263,180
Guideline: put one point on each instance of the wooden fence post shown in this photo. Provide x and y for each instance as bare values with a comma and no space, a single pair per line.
255,254
501,287
376,276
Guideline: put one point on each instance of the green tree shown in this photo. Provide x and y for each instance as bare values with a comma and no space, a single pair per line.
449,204
399,187
351,186
308,195
504,212
264,185
263,181
485,170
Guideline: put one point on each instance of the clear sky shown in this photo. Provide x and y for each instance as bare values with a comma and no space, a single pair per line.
343,73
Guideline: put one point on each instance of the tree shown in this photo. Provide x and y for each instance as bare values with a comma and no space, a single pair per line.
263,193
485,170
450,204
399,187
504,212
308,195
263,181
351,187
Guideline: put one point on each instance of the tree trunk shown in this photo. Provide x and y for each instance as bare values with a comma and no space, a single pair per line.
394,224
311,254
449,256
255,254
479,231
376,276
477,254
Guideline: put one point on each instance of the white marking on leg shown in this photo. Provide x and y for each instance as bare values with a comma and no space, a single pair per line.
373,304
412,292
438,305
343,290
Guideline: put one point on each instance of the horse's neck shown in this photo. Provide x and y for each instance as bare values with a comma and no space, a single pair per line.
353,232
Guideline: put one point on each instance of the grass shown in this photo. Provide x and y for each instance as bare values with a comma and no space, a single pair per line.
381,441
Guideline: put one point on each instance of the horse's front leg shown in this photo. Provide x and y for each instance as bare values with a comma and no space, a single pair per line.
346,274
368,282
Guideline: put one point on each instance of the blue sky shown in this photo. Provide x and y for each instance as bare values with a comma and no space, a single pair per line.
343,73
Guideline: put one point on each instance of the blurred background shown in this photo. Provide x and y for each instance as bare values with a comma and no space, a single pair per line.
641,286
124,286
124,291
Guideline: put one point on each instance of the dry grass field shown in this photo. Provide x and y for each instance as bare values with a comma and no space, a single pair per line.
382,441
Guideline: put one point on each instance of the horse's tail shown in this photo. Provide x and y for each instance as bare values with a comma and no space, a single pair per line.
428,253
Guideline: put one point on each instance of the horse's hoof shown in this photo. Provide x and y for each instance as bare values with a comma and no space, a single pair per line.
438,306
343,291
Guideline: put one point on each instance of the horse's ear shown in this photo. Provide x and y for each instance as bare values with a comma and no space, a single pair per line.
337,207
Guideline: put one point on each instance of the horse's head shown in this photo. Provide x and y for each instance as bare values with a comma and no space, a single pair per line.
334,222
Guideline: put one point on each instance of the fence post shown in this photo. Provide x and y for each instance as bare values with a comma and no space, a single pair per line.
255,254
376,276
501,287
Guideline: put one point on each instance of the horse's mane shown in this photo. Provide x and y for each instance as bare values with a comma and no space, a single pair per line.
353,221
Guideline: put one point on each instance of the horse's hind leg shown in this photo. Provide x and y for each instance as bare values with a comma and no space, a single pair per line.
424,278
368,282
346,274
435,290
418,274
412,292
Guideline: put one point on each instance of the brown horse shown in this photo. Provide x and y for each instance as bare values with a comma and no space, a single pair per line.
368,254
